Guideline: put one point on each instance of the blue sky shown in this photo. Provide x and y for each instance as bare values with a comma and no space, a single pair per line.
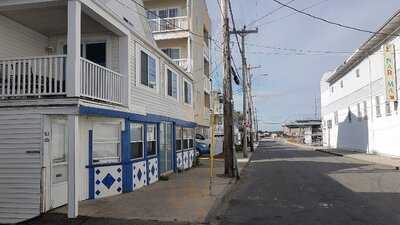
290,90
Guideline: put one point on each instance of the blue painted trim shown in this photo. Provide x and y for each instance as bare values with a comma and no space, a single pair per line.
126,157
158,150
137,160
174,148
152,157
145,153
91,169
149,118
104,165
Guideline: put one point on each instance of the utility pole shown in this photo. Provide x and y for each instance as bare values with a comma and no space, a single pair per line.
242,33
256,121
250,105
228,108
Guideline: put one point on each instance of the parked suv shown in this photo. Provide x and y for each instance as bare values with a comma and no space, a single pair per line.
202,145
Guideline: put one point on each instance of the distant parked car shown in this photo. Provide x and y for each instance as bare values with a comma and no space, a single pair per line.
202,145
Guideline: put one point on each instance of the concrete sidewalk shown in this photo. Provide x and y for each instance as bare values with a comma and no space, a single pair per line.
184,199
372,158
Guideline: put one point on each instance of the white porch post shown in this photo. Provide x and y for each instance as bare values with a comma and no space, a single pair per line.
73,165
73,90
124,67
189,44
74,48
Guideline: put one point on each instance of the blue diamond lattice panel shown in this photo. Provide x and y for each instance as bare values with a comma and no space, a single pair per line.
185,160
191,158
153,170
139,175
107,181
179,161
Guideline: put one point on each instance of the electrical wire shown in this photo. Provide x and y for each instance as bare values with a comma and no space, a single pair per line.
293,13
268,14
234,27
330,22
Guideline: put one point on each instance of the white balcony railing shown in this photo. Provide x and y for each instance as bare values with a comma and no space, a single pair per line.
33,76
101,83
182,63
168,24
46,76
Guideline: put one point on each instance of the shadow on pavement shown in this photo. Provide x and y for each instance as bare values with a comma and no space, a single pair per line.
61,219
304,187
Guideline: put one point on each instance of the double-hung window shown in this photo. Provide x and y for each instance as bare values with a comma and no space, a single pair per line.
178,139
377,106
187,92
365,110
191,138
148,70
137,140
336,117
151,140
172,84
106,142
188,135
387,108
185,138
173,53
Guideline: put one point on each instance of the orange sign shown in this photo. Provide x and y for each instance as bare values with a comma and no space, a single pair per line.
390,72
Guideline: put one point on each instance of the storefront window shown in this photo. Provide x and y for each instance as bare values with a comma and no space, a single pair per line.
178,139
188,135
151,140
137,140
185,138
106,142
191,136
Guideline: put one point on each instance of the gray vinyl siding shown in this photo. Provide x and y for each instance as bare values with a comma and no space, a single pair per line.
20,41
156,102
20,172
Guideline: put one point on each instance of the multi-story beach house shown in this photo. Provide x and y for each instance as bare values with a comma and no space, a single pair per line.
90,106
181,29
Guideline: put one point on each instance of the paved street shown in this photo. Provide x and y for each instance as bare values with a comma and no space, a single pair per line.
286,185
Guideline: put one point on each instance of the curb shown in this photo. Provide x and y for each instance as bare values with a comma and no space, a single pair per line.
219,205
329,152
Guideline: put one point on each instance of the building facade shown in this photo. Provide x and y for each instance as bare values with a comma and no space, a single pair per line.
304,131
89,105
181,29
359,99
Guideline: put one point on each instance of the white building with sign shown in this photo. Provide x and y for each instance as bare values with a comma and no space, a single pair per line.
359,99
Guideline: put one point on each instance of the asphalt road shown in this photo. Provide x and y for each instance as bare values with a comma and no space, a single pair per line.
286,185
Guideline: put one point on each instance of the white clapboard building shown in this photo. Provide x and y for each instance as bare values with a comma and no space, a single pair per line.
360,98
89,105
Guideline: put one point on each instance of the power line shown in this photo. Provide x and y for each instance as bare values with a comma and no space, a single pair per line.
294,13
234,26
330,22
269,13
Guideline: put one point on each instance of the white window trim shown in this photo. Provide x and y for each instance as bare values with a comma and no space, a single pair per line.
179,48
181,138
156,139
177,83
183,91
107,160
133,159
138,69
